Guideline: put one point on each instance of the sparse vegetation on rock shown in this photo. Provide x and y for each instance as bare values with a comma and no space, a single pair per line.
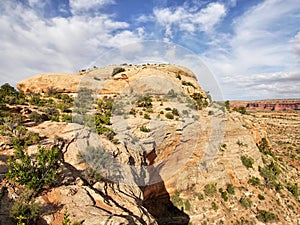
35,172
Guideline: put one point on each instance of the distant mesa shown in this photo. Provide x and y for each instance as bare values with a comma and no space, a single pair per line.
268,105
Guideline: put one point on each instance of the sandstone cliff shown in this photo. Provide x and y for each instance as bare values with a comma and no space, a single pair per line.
167,156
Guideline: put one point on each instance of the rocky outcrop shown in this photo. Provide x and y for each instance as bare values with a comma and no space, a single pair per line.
102,81
155,176
268,105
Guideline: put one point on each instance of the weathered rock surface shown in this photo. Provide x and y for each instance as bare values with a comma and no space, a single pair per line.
159,176
140,78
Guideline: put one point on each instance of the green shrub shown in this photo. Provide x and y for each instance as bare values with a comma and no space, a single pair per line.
144,129
178,76
200,196
36,117
34,172
117,70
230,189
36,100
246,202
227,105
210,189
269,172
247,161
214,206
31,138
265,216
187,205
255,181
293,188
169,116
24,210
175,112
176,200
101,164
241,109
67,221
55,118
145,101
223,194
264,147
132,112
146,116
261,197
66,118
9,95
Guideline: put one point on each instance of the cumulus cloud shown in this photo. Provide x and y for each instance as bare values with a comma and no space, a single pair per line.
256,86
189,19
296,44
78,6
260,42
32,44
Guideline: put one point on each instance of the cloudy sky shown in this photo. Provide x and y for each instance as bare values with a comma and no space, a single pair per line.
251,46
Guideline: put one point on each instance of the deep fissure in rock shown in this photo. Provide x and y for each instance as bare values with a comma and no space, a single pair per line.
156,199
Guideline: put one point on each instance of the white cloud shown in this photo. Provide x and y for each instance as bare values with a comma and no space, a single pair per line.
261,43
296,44
256,86
78,6
31,44
189,19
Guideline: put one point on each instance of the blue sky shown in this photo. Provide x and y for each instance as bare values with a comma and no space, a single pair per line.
251,46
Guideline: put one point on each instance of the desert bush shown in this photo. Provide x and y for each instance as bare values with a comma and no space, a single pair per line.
175,112
255,181
227,105
146,116
36,117
101,163
264,147
187,205
66,118
117,70
293,188
200,196
247,161
55,118
210,189
230,189
36,100
246,202
9,95
33,172
132,112
24,210
241,109
169,116
269,172
144,129
223,194
214,206
145,101
265,216
261,197
176,199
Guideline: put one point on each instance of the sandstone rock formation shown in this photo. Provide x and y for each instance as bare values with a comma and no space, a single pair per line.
180,161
